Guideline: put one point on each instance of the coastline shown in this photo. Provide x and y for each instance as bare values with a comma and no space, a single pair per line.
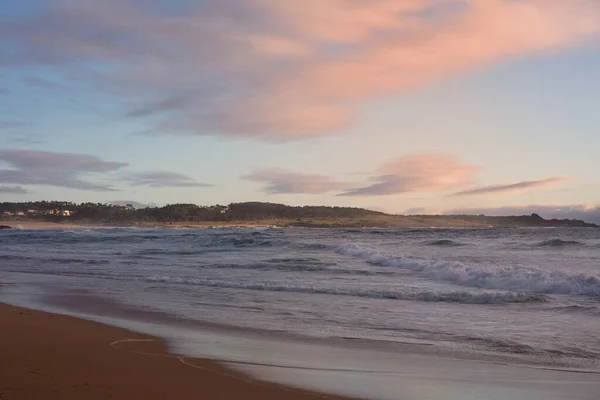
48,354
324,331
406,223
29,224
53,356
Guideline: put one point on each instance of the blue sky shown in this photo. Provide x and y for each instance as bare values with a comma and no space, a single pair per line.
417,109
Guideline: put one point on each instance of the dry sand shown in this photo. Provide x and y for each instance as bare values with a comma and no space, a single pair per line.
48,356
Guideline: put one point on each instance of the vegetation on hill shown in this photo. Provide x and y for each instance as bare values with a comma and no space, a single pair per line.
254,212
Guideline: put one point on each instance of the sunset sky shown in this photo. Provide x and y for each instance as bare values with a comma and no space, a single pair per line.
404,106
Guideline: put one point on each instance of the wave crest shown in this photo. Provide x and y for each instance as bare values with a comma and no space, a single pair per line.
513,278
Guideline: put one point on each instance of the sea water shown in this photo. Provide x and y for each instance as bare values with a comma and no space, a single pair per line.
523,297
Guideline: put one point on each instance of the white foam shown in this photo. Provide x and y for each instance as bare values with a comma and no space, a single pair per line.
515,278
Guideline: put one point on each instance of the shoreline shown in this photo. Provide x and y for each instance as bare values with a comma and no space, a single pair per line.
16,225
274,314
85,355
34,225
54,356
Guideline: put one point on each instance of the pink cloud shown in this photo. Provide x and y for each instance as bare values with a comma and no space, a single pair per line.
283,69
514,187
345,21
407,174
417,174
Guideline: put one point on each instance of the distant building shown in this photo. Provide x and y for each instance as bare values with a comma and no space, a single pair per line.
66,213
20,213
8,213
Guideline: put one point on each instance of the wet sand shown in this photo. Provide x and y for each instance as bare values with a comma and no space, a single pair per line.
50,356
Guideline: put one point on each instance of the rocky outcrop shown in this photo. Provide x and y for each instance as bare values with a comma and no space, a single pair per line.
5,227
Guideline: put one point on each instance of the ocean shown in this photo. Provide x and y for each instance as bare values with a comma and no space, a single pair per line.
522,297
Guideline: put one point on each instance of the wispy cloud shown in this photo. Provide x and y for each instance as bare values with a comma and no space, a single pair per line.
9,125
13,189
282,69
23,139
417,173
514,187
55,169
162,179
282,181
16,132
40,82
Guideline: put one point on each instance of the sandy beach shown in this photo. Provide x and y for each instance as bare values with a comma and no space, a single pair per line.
49,356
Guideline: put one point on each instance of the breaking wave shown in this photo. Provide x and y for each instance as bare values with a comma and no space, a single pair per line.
429,296
514,278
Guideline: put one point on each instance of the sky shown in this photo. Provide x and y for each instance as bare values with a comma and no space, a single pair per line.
403,106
